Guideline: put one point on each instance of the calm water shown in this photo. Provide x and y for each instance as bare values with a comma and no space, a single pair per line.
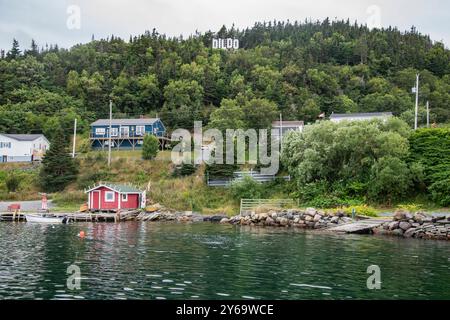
207,261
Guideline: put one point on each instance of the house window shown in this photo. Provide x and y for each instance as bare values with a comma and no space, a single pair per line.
6,145
110,196
124,131
100,131
140,130
124,197
114,132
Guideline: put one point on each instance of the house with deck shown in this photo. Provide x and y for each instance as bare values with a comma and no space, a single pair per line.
22,147
338,117
125,133
114,197
283,127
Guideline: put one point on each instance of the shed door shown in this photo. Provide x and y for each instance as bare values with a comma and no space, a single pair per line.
95,200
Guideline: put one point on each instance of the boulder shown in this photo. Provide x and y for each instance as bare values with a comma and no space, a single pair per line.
404,225
393,225
398,232
399,215
409,233
334,219
309,218
263,216
317,217
269,221
225,220
420,217
284,221
311,212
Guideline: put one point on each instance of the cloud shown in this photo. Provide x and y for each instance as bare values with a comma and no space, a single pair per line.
45,20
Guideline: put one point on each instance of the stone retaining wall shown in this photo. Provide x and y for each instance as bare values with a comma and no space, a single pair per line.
309,218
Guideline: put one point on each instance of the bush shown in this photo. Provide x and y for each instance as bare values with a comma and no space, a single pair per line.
440,192
150,147
363,210
185,169
247,188
410,207
12,182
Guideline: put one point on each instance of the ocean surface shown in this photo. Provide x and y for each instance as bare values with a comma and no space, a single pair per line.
212,261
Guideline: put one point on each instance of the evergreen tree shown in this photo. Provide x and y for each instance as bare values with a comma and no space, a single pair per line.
14,53
58,168
34,50
150,147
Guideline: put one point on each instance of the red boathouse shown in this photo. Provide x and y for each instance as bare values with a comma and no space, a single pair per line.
113,197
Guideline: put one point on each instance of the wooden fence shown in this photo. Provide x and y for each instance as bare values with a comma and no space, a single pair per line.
240,175
252,204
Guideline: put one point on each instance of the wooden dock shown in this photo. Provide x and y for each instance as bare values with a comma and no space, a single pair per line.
78,217
358,227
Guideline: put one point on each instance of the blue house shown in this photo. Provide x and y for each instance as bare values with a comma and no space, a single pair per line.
125,133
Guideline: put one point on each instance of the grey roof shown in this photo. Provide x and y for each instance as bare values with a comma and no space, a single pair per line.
121,188
23,137
125,122
288,123
362,115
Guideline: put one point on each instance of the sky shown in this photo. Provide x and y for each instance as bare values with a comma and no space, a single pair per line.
69,22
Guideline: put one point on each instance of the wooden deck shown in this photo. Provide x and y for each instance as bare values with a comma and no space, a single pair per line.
78,217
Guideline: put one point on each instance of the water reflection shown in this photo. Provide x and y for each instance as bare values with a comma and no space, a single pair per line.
207,261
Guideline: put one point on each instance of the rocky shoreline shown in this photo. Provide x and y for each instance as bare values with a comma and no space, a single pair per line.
403,224
418,225
307,219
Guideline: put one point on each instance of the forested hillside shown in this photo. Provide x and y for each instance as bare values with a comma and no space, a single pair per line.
299,69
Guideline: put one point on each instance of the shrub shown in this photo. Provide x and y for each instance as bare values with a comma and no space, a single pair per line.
362,210
440,192
185,169
247,188
150,147
410,207
12,182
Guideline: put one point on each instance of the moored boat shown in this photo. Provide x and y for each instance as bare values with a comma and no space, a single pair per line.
44,219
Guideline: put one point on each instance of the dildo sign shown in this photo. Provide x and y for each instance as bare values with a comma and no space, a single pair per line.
228,43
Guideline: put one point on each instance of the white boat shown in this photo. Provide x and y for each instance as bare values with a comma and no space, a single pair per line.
44,219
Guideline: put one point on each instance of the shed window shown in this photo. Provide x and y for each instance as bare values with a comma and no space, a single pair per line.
110,196
124,197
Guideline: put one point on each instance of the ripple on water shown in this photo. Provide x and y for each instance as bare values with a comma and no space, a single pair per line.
211,261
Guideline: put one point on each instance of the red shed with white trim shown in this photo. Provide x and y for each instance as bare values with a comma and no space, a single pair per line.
107,196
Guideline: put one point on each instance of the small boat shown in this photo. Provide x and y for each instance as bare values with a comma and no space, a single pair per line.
45,219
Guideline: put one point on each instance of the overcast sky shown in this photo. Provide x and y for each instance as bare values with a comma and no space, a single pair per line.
56,21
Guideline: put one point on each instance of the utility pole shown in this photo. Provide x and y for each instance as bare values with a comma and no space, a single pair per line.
109,133
281,133
74,137
417,101
428,114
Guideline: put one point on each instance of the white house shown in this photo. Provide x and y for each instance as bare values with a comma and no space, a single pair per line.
286,126
22,147
338,117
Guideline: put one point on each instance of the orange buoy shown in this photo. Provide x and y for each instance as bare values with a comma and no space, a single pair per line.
81,234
